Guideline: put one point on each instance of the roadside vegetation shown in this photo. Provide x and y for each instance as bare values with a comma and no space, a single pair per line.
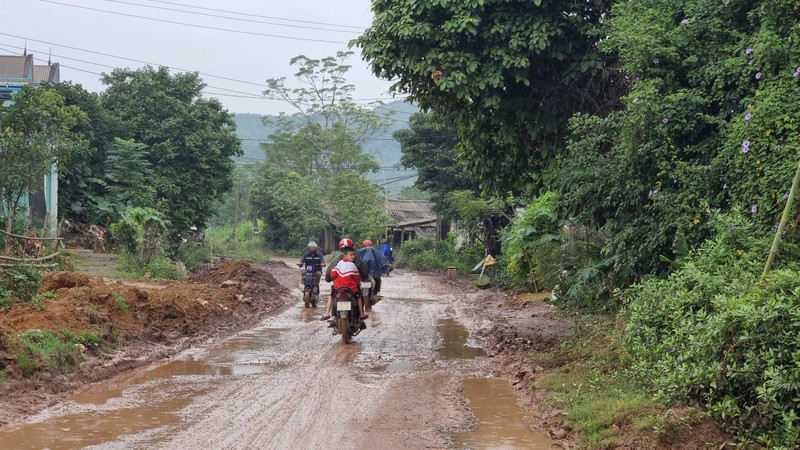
636,163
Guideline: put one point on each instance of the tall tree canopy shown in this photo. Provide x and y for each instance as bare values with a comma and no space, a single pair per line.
190,140
328,131
34,135
509,74
430,148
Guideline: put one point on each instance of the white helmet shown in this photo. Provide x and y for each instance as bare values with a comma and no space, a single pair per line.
312,244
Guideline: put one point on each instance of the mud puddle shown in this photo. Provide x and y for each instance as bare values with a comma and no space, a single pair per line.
498,417
454,341
85,429
149,398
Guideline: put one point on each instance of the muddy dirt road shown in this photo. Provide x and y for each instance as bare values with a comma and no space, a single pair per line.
413,379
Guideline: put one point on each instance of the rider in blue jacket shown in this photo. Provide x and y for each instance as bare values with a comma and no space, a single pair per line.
374,260
386,249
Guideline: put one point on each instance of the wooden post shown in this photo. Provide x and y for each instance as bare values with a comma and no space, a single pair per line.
236,217
776,243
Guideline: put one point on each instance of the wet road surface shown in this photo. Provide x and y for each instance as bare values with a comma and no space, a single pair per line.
289,383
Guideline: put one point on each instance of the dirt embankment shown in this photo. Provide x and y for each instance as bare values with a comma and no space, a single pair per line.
147,320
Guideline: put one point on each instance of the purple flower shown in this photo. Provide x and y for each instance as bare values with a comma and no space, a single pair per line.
745,146
797,70
748,116
655,61
664,120
786,196
748,51
725,186
776,226
796,74
758,76
652,192
636,100
684,21
754,209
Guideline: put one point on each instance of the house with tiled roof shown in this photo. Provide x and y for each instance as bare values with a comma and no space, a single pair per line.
17,71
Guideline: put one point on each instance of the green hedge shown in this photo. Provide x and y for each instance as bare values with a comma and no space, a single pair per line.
713,334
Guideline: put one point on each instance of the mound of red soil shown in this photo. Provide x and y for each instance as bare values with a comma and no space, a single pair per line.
222,300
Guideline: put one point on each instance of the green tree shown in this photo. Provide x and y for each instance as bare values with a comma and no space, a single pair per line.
508,74
35,136
79,178
356,207
327,134
190,140
290,206
430,148
710,124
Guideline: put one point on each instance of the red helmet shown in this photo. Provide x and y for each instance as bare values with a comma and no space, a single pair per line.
345,243
366,243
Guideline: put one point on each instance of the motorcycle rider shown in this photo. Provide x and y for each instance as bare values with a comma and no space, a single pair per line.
314,258
386,249
375,261
345,245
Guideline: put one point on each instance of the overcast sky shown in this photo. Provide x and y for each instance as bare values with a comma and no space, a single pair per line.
246,57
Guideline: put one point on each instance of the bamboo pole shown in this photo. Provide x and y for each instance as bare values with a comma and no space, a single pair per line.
776,243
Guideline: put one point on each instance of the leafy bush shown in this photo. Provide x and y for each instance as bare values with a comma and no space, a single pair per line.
194,254
19,283
244,244
431,255
713,333
141,235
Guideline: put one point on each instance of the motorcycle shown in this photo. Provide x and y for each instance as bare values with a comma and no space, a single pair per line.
367,288
346,315
310,288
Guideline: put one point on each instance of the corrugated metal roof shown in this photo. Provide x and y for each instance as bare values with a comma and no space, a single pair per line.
410,212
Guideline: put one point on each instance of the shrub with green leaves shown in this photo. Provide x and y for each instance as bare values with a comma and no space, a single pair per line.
19,283
431,255
46,351
716,335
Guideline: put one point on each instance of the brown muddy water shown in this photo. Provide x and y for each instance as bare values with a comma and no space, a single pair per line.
282,385
500,423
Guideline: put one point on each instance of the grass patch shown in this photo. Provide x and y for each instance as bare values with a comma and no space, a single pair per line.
38,300
121,302
45,351
159,268
244,244
589,380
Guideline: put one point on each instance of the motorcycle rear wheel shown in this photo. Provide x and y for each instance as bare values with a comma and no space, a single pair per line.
344,330
307,298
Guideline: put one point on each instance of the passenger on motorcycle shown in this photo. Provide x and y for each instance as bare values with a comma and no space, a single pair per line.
374,260
344,245
386,249
314,258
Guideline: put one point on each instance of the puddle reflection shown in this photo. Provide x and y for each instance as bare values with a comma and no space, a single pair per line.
85,429
454,341
500,424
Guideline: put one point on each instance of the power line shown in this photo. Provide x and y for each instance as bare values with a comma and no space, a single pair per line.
256,15
109,55
233,18
173,22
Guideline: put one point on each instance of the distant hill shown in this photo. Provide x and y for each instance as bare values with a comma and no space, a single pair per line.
251,129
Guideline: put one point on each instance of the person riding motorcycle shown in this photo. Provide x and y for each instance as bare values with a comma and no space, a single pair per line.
375,261
386,249
314,258
344,244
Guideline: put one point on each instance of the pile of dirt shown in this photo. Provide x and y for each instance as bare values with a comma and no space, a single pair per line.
163,317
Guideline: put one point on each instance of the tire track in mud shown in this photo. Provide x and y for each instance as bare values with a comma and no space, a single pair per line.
389,388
